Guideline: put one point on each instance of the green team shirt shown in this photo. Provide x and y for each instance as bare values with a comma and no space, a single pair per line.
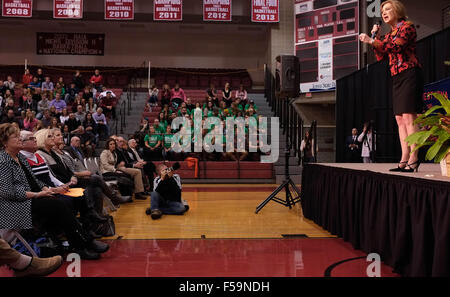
248,106
167,139
152,140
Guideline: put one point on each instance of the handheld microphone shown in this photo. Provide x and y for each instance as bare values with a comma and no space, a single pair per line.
375,33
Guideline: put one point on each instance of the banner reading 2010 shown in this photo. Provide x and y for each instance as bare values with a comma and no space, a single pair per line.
119,9
168,10
265,11
217,10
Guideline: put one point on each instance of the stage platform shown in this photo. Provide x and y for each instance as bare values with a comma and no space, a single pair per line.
404,217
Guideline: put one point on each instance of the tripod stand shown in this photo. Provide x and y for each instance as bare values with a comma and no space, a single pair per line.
289,198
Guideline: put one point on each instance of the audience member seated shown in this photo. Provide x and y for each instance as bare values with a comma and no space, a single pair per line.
166,95
30,123
47,85
43,104
153,96
90,127
27,78
46,120
91,106
40,76
25,202
11,118
211,94
153,144
34,84
10,84
167,152
74,124
78,80
97,81
177,95
135,156
58,104
102,125
78,101
227,93
28,104
108,104
109,166
80,114
87,94
71,93
64,116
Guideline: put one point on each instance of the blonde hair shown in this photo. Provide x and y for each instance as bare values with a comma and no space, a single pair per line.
399,9
41,137
6,131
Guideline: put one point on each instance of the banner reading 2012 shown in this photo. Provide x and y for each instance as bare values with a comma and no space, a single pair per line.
168,10
17,8
265,11
68,9
217,10
119,9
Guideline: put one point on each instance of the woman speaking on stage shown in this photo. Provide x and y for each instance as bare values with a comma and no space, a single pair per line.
407,78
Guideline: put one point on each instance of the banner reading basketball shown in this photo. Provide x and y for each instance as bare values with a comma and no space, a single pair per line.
167,10
265,11
217,10
119,9
17,8
67,9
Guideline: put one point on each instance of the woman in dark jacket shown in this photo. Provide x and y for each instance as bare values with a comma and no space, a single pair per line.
25,202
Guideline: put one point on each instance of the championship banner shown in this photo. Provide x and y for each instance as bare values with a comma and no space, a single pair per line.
70,44
266,11
17,8
167,10
119,9
67,9
217,10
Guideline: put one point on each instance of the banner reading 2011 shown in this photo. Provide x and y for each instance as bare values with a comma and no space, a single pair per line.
217,10
265,11
67,9
168,10
119,9
17,8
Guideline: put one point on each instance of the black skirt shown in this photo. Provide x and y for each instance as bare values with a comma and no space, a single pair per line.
407,91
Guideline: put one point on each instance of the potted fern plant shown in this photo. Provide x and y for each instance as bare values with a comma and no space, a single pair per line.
436,134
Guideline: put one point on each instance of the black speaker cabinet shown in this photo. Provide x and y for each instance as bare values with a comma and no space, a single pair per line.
287,76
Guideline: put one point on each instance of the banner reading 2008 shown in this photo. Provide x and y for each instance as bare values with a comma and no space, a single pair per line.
17,8
167,10
67,9
217,10
119,9
265,11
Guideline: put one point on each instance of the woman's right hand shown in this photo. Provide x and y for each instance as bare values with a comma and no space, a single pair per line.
375,29
44,193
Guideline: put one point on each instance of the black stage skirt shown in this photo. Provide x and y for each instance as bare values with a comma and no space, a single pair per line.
407,91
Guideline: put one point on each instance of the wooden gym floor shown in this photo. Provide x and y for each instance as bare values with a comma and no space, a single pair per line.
217,211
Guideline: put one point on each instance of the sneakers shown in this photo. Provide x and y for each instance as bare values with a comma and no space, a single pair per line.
186,206
156,214
40,267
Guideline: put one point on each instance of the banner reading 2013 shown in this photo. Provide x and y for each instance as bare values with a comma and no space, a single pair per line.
67,9
168,10
265,11
17,8
217,10
119,9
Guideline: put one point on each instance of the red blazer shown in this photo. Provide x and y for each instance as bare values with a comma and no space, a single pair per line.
400,46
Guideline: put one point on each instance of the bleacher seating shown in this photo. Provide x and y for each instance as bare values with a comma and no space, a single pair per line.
224,170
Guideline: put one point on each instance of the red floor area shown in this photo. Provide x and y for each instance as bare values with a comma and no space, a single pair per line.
225,258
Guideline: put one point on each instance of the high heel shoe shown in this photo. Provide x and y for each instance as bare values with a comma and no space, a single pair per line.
409,168
398,169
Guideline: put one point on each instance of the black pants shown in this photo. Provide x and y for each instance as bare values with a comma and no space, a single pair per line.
53,215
